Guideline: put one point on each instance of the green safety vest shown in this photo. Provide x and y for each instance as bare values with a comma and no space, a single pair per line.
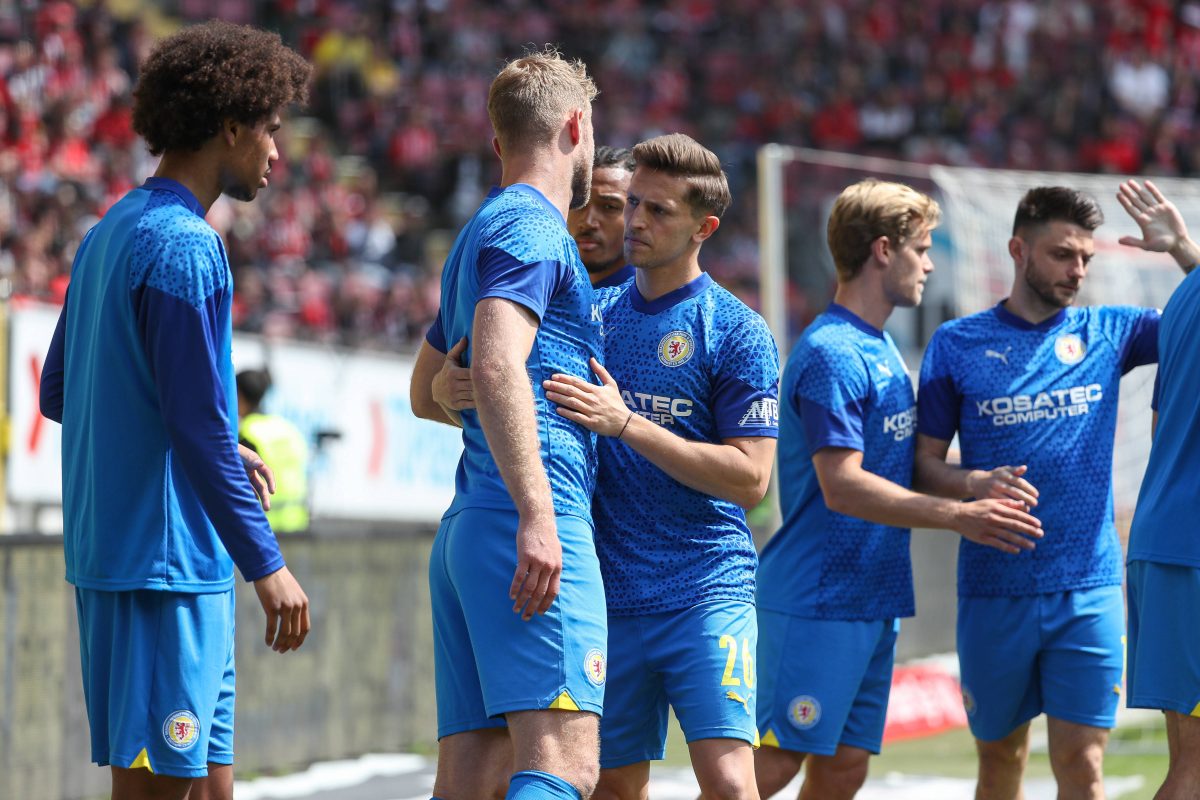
284,450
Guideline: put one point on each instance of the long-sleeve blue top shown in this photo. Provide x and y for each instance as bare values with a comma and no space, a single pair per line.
140,375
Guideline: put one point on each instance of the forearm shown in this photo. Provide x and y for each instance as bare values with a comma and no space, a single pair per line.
420,389
1186,254
720,470
934,476
506,413
876,499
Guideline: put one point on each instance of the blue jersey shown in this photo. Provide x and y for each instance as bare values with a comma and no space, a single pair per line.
140,375
701,364
616,279
845,385
1164,524
516,247
1043,395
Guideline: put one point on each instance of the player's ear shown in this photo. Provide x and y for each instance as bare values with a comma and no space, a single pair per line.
1017,248
229,131
575,126
708,226
496,147
881,249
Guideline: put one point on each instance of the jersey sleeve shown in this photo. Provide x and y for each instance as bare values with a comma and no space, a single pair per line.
831,395
178,320
436,335
1139,342
938,398
745,398
50,386
532,284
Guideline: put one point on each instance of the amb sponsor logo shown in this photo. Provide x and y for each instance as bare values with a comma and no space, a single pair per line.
761,413
676,349
804,711
1069,348
181,729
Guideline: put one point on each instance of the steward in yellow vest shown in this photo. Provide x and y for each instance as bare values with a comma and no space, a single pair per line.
281,446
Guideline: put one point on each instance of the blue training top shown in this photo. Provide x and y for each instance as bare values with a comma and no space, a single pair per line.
699,363
1043,395
517,247
1164,524
845,385
155,495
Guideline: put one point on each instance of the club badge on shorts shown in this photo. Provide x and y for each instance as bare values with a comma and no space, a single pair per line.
181,729
804,711
675,348
595,666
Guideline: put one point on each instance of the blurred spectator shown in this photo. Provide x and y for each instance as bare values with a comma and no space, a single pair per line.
346,246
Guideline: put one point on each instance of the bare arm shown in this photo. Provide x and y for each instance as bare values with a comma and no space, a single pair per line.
503,338
421,388
849,489
932,474
1163,229
737,470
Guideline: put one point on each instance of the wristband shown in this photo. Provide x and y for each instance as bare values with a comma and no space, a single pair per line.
626,425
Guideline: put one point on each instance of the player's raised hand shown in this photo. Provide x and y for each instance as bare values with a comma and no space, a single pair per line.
539,566
1003,482
1002,524
262,479
597,408
1162,225
452,385
286,607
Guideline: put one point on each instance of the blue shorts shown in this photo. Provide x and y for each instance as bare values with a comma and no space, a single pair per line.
699,660
1164,651
824,682
1061,653
158,678
488,661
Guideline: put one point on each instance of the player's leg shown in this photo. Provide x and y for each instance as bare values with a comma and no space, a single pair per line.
1081,665
1001,765
998,645
474,752
724,769
1183,773
1077,758
633,730
545,675
1164,664
821,700
706,656
836,777
141,784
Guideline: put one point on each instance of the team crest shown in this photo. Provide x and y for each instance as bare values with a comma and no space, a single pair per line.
804,711
181,730
1069,348
595,666
675,348
968,702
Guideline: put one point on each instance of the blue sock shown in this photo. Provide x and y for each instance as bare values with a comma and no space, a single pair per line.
533,785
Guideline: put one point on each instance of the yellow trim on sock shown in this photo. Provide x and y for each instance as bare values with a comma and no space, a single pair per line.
142,761
769,739
564,702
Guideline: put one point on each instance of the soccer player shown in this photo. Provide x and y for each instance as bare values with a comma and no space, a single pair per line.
1164,559
599,227
1034,382
836,578
156,502
687,411
518,604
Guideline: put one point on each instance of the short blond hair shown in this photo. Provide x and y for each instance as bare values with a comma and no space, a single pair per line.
680,155
531,97
872,208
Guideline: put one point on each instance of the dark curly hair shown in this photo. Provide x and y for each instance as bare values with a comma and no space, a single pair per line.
201,76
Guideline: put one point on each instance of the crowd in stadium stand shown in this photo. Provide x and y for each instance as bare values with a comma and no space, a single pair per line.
346,245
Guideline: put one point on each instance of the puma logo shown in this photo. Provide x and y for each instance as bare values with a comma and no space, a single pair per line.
998,355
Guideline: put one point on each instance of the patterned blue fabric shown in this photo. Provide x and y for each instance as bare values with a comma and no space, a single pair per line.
1043,395
516,246
845,385
140,374
1164,525
700,363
